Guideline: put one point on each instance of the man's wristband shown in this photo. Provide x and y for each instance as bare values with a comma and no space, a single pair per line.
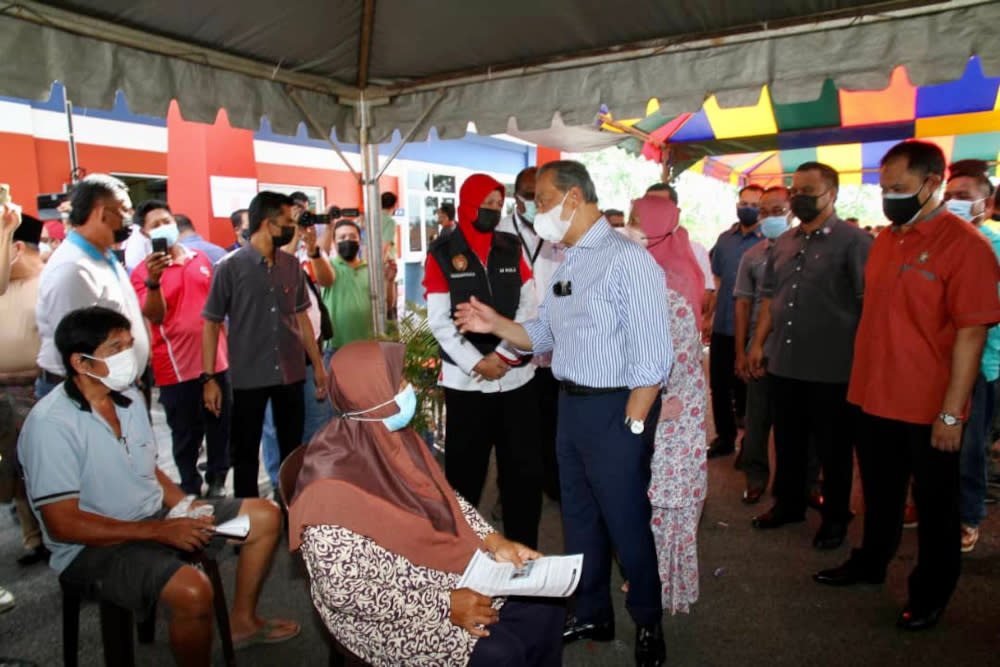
205,378
315,254
151,285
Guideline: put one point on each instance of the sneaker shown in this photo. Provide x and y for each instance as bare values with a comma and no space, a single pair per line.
970,535
910,519
6,600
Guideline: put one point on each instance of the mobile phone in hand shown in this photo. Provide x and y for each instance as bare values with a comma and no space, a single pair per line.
160,245
4,194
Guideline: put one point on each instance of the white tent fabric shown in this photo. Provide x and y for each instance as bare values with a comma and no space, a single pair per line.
96,48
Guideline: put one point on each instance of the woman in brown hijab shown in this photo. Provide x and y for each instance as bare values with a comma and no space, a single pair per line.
386,539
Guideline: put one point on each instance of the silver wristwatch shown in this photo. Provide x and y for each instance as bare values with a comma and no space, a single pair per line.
949,420
636,426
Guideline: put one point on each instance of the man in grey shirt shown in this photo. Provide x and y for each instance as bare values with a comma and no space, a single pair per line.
263,293
809,313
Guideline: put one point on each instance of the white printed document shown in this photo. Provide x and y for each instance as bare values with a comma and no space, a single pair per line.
549,576
237,528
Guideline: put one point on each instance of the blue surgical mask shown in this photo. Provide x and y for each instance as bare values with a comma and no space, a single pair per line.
406,400
168,232
773,226
530,209
962,208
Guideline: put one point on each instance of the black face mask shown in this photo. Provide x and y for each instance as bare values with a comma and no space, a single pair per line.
901,210
487,221
348,250
285,237
119,235
747,215
805,207
245,234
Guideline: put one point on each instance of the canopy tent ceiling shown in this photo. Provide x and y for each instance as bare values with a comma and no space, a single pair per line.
849,130
483,63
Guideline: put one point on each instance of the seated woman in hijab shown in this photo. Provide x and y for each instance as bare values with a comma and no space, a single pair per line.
386,539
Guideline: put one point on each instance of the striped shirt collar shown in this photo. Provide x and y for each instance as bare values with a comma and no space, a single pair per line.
594,238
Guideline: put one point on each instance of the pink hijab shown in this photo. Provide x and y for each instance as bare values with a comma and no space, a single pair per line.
668,243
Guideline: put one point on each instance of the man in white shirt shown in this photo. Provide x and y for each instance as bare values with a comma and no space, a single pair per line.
83,272
544,258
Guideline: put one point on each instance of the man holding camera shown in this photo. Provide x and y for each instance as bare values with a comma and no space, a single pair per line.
348,299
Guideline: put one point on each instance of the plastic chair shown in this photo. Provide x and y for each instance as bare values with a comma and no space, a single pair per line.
288,474
116,622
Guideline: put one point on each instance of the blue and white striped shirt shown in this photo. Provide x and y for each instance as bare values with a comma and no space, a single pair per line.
612,330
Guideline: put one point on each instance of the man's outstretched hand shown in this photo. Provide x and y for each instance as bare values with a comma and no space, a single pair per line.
476,317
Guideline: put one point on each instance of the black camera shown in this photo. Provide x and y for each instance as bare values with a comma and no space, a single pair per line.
334,213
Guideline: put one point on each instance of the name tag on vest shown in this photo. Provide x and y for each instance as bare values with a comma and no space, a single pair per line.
508,269
467,274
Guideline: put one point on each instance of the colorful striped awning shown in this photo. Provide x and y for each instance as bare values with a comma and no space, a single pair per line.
850,130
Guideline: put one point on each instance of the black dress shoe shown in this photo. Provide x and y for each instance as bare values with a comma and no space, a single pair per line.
847,574
775,518
752,495
598,632
37,555
831,535
720,447
650,649
914,620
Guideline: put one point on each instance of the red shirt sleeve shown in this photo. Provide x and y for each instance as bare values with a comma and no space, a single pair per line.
972,288
434,280
138,279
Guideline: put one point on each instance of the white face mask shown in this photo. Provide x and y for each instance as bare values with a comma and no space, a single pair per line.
121,370
44,248
550,225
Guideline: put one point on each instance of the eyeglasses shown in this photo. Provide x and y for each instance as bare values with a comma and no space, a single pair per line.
562,288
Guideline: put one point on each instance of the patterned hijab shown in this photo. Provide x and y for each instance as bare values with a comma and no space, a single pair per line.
375,482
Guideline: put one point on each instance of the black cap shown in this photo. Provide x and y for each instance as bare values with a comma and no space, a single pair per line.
29,231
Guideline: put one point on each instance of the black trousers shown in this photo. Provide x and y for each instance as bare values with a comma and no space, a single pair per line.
190,422
509,420
889,452
818,411
729,393
248,423
548,408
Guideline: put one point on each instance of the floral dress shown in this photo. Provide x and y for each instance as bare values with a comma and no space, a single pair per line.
679,481
382,607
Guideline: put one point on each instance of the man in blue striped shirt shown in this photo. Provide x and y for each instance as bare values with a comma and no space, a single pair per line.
605,320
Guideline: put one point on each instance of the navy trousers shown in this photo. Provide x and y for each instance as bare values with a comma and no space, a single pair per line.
604,477
190,423
529,633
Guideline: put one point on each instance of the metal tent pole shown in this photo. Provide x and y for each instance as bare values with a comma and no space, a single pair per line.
373,215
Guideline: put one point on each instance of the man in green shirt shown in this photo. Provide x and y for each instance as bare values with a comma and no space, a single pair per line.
389,200
348,300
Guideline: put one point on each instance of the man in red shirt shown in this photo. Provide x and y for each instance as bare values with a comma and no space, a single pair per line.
930,295
172,288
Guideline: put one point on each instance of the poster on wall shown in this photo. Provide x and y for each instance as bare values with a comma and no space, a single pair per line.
230,193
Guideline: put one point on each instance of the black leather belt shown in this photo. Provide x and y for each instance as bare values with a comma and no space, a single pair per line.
574,389
51,378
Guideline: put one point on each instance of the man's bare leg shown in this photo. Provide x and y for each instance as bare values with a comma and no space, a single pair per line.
254,563
188,595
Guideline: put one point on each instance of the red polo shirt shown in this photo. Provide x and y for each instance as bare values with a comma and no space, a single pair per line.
920,288
177,340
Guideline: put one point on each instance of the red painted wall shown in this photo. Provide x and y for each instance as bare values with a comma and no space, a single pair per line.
545,155
196,151
20,169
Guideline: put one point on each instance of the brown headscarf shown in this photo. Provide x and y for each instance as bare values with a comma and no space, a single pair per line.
375,482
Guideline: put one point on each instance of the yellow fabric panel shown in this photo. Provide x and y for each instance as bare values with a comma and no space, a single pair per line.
845,158
742,121
963,123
